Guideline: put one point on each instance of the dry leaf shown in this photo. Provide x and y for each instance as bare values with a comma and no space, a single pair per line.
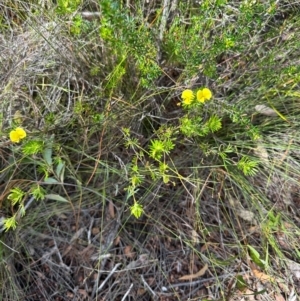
288,225
283,286
262,276
70,295
265,110
208,245
67,250
141,261
62,216
246,215
253,229
292,295
193,276
250,296
195,237
77,234
178,266
141,291
128,252
111,209
283,240
95,231
83,293
204,247
151,281
294,267
279,297
262,153
41,275
117,240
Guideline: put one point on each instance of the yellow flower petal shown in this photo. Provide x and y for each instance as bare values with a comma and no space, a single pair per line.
21,133
16,135
200,96
187,97
207,93
204,94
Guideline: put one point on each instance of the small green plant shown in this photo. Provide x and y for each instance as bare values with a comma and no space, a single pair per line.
33,147
76,26
39,154
158,148
248,166
38,192
17,198
136,209
199,122
67,6
16,195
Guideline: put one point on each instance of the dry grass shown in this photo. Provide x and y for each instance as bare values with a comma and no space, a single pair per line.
76,92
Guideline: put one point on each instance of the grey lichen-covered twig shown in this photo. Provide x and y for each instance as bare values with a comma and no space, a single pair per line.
168,8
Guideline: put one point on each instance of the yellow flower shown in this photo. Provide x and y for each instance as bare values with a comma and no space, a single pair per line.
17,135
187,97
204,94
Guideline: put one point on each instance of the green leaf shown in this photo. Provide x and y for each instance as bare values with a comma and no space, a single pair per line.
10,223
38,192
60,170
22,210
47,154
136,210
16,195
223,262
33,147
157,148
248,166
56,197
256,257
214,123
166,179
240,283
51,181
